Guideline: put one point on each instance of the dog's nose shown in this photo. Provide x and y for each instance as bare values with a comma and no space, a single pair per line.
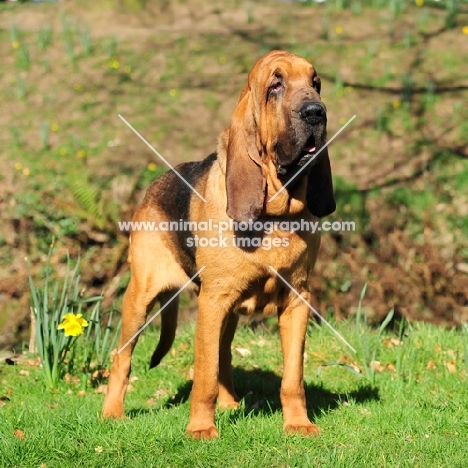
312,112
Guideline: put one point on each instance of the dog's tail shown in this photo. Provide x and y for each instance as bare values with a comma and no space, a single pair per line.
168,326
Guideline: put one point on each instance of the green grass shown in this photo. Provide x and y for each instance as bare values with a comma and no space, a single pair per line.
415,415
72,169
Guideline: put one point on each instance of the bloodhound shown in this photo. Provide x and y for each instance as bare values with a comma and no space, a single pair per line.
277,127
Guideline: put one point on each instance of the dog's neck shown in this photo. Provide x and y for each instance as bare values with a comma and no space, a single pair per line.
289,201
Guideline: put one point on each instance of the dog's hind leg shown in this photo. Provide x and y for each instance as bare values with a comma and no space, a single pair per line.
227,398
168,326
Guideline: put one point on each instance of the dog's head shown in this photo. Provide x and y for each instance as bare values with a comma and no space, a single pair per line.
279,125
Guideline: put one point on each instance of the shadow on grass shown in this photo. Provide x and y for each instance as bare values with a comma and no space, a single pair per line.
260,389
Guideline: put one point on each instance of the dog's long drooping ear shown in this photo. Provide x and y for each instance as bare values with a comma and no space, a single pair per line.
320,198
245,182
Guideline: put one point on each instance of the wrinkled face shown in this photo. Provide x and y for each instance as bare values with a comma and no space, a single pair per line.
290,115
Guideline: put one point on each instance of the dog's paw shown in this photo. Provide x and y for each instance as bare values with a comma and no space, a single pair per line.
228,405
308,430
203,434
113,412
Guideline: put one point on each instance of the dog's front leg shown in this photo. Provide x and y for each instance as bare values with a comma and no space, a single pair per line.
210,323
293,325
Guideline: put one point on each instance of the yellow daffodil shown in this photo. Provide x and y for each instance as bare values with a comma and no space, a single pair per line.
152,166
465,30
339,30
114,63
73,324
419,3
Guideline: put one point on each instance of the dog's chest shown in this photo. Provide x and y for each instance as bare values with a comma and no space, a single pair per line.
290,257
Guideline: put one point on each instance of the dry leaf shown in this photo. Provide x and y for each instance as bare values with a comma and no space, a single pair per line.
24,372
243,352
151,401
391,368
161,392
19,434
355,367
377,366
452,353
261,342
391,342
322,356
134,378
69,392
101,389
451,366
191,373
72,378
431,365
81,393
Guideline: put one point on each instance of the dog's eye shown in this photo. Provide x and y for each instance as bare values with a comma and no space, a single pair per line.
275,87
316,84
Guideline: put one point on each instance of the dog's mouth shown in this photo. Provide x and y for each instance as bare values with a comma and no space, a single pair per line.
308,152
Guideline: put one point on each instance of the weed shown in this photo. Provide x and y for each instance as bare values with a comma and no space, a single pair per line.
44,132
86,42
44,37
369,345
56,305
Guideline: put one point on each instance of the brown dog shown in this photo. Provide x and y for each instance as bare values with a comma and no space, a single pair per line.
277,126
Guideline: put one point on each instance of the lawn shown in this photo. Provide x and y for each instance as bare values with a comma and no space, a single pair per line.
406,406
174,70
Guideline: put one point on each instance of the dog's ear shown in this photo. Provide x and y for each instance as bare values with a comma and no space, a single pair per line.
245,182
320,198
